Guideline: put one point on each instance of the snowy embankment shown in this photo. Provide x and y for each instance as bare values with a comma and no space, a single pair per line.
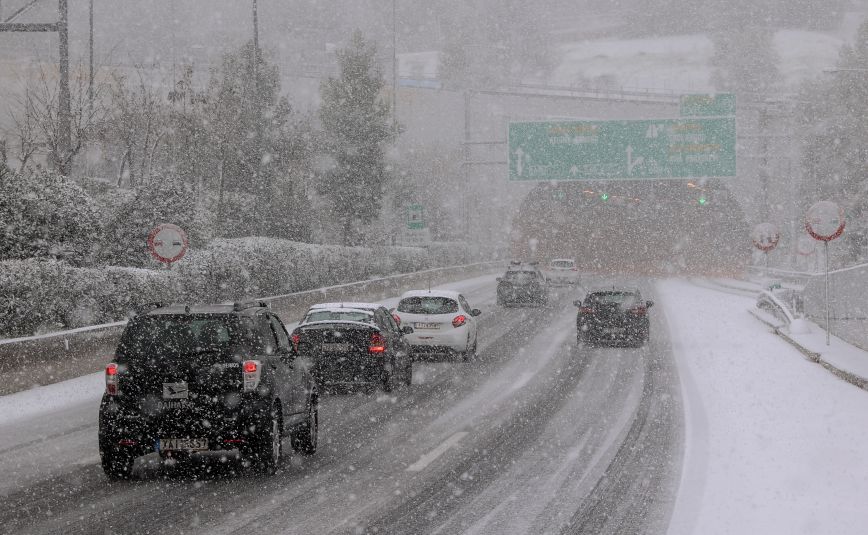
774,443
683,62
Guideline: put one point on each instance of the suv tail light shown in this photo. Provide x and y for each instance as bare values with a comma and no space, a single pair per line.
586,310
378,343
639,311
459,320
111,379
397,318
296,338
251,373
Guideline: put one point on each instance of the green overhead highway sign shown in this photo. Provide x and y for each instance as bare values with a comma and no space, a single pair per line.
716,105
625,150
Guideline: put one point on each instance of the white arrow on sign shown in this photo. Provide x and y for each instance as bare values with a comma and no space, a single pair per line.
631,163
574,170
519,161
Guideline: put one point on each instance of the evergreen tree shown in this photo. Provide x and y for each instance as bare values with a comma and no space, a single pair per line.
357,126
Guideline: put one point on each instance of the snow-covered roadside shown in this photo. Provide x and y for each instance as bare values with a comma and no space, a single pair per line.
774,443
88,388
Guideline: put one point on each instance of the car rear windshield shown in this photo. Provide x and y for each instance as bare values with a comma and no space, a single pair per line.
178,335
339,315
520,276
626,299
428,305
562,263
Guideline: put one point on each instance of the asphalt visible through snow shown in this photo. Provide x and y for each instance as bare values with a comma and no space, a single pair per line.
538,435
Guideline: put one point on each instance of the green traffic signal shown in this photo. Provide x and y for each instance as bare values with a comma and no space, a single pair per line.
702,201
604,196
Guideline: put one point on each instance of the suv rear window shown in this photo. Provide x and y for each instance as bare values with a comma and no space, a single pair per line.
520,276
428,305
562,263
613,298
177,335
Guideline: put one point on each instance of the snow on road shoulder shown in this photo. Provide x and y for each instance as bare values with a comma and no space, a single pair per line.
775,444
51,398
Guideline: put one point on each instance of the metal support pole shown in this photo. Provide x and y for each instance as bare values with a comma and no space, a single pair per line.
64,144
395,67
828,321
90,60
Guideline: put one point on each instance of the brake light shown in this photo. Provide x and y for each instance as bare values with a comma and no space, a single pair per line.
251,373
639,311
296,338
111,379
586,310
459,320
575,269
378,343
397,319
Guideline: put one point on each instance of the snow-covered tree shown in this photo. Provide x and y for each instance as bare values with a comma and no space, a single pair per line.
357,126
45,215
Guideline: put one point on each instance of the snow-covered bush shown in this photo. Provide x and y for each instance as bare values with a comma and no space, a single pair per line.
44,215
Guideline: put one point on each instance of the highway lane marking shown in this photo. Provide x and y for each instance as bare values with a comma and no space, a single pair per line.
432,455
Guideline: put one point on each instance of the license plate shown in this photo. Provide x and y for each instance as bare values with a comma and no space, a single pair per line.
615,330
427,325
183,444
341,347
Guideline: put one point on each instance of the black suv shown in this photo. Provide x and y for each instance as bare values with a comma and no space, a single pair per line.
613,315
522,284
186,380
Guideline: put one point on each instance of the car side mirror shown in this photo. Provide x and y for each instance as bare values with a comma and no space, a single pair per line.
649,304
406,329
577,302
475,312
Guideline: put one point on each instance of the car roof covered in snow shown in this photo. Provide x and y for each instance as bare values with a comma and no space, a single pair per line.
338,310
431,293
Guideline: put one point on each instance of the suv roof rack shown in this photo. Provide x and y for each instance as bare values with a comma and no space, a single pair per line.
515,262
238,306
147,307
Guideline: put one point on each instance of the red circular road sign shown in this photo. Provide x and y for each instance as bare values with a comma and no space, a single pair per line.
167,242
825,221
765,237
805,246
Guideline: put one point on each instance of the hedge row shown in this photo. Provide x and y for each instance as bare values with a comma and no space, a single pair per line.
39,296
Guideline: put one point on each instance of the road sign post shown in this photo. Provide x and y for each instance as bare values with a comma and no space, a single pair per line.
825,222
622,150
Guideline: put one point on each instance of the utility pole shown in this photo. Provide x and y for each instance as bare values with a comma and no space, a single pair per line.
395,67
64,113
90,60
259,181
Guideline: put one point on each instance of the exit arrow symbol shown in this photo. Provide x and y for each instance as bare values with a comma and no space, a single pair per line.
631,163
519,161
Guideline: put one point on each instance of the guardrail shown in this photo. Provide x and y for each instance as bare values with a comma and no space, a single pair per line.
53,357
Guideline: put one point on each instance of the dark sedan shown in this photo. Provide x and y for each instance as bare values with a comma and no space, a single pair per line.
522,285
614,316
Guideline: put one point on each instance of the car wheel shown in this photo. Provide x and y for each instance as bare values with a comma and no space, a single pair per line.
304,436
267,448
470,353
408,374
389,381
117,463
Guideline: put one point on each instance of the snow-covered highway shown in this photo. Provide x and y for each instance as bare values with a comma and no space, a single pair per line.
715,426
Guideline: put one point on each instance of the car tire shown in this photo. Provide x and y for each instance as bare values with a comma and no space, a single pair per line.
408,374
117,463
389,381
470,353
266,452
304,436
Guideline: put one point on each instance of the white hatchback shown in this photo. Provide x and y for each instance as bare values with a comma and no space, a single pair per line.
562,271
443,323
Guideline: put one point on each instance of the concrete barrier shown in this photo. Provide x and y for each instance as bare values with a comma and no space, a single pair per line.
46,359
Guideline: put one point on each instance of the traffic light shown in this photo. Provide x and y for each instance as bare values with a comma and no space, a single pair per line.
604,197
703,201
